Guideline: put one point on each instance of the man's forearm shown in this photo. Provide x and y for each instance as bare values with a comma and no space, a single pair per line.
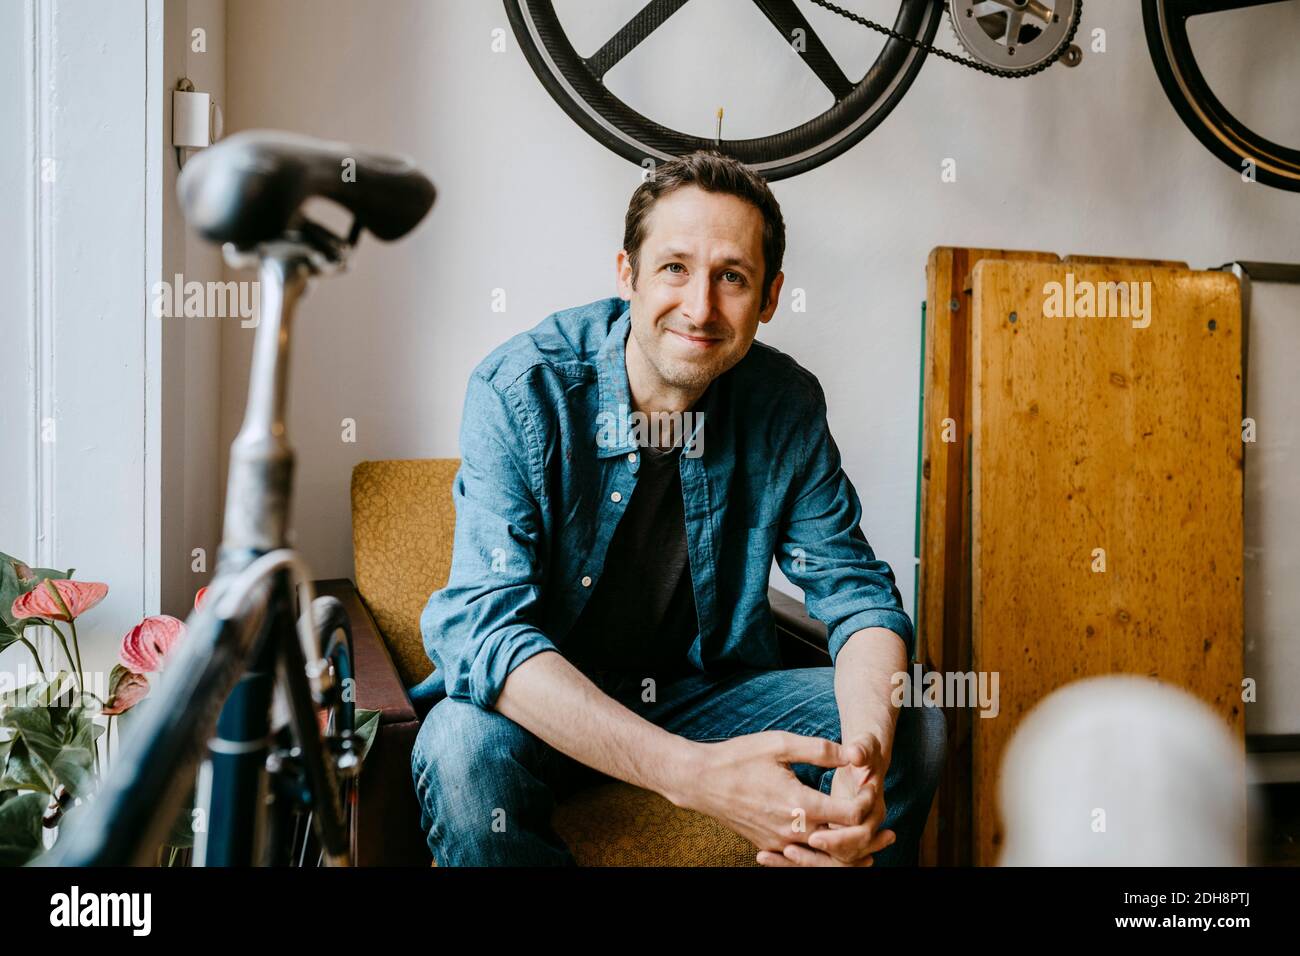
864,683
555,701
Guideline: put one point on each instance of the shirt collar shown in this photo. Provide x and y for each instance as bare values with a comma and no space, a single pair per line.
614,391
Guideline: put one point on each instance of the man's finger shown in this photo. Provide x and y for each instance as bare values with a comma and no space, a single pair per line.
768,858
818,751
863,749
849,843
855,753
805,856
821,807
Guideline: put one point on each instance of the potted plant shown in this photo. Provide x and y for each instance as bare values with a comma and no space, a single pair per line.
50,730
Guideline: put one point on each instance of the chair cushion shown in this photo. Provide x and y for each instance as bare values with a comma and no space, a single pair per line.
402,527
617,824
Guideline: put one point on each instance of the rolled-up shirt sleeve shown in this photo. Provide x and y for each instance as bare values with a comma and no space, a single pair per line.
482,625
823,551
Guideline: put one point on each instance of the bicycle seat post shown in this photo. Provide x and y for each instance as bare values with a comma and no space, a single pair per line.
261,459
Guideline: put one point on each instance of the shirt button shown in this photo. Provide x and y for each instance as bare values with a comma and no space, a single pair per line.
632,458
586,581
616,497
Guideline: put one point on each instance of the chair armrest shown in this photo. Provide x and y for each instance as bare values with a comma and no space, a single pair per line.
804,642
387,826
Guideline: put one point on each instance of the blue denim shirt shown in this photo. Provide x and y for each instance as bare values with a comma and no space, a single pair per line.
549,463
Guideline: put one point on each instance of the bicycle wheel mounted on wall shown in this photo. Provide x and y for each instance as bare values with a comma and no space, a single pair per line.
577,85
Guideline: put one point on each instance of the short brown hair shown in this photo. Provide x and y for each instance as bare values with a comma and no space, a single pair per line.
713,172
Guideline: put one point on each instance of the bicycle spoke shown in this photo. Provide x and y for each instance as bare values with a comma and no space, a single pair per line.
306,840
650,18
785,16
1196,8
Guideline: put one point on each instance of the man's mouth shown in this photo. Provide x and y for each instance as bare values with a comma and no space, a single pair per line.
696,341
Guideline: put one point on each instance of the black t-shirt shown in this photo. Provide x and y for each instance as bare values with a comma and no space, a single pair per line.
641,617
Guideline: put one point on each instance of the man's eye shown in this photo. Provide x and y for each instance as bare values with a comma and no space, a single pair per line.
739,277
671,264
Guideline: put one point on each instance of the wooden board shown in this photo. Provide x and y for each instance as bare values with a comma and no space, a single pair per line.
1121,261
943,577
1089,433
943,594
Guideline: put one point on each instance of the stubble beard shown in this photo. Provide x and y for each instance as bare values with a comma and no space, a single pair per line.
681,373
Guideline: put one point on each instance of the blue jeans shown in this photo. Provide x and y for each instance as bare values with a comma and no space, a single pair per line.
469,764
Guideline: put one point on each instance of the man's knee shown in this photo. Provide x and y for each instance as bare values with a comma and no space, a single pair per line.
462,763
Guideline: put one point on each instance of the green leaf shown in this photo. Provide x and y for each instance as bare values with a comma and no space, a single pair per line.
367,728
74,768
57,686
10,588
57,748
80,727
22,696
24,771
20,828
35,725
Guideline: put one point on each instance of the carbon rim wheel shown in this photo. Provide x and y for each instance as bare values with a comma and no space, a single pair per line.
1200,110
576,83
339,719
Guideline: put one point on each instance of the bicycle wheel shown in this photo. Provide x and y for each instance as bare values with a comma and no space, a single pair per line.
336,723
1209,120
577,85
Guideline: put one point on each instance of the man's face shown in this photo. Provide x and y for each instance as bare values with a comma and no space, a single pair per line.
695,307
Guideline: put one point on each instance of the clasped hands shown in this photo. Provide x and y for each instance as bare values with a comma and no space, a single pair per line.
747,784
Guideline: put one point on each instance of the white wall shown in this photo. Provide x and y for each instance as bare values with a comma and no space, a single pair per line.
109,414
81,158
197,495
1092,160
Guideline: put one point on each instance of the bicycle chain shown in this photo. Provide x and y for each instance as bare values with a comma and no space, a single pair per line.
944,54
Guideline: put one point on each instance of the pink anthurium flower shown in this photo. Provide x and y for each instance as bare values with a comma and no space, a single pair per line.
59,600
145,647
198,597
130,690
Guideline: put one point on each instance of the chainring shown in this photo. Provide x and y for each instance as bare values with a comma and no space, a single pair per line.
1014,36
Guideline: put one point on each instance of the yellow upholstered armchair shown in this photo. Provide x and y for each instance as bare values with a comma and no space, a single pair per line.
402,525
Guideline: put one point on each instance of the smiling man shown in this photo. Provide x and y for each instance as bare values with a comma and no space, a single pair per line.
606,613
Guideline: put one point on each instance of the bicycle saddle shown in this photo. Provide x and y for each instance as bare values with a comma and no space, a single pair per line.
248,188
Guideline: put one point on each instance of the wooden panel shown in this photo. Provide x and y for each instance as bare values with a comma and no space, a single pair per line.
1074,257
942,610
1090,433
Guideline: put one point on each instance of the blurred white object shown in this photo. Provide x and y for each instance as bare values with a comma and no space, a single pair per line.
1123,770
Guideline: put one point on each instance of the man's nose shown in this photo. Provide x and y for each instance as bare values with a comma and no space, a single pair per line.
697,301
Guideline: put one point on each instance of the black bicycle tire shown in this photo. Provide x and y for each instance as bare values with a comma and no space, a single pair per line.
1212,124
334,620
331,620
776,156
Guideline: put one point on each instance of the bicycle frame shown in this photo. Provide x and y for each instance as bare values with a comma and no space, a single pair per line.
246,623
